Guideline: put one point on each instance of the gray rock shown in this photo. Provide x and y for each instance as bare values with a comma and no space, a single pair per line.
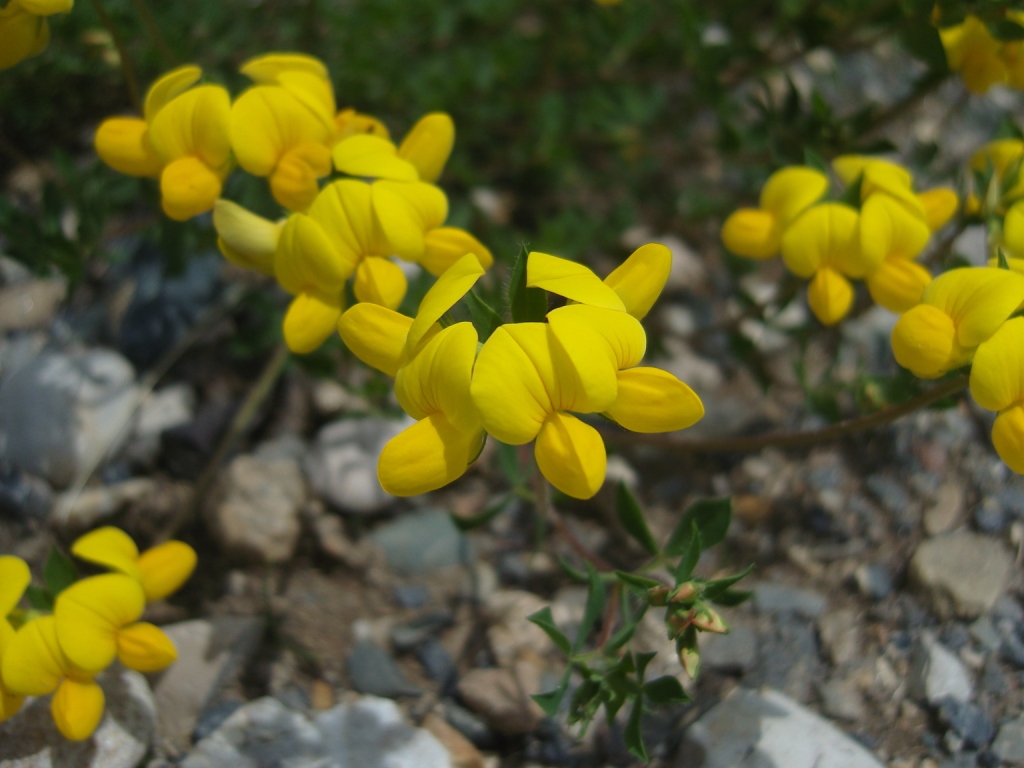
31,304
840,635
947,511
782,598
166,408
891,495
30,739
342,465
372,670
937,673
768,729
210,655
961,573
972,726
841,699
372,733
421,542
734,652
81,510
873,581
989,516
62,414
1009,744
256,513
498,697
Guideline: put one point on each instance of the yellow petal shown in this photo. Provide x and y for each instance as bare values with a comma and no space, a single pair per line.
640,279
978,299
165,567
14,578
376,335
851,167
898,284
889,230
110,547
437,378
571,280
188,188
830,296
266,121
245,238
998,155
344,212
1013,230
170,85
443,246
653,400
350,123
47,7
380,281
145,648
34,664
316,95
309,321
924,341
826,235
77,708
752,233
443,295
571,455
427,456
89,615
268,67
1008,438
428,145
940,205
194,124
123,144
294,181
972,51
594,337
307,260
997,373
22,34
10,703
405,213
791,191
372,157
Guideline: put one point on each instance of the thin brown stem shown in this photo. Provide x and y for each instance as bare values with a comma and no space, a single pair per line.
127,68
145,14
803,439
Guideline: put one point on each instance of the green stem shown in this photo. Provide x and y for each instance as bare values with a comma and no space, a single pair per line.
127,69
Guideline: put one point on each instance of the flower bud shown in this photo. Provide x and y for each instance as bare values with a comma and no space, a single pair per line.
709,621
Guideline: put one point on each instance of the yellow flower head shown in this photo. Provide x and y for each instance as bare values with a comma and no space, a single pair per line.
432,369
24,29
244,238
757,232
1001,157
981,59
420,157
880,177
283,128
997,383
892,237
959,310
14,578
182,140
348,122
824,246
160,570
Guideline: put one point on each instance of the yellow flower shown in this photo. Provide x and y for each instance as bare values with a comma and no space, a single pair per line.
182,140
981,59
432,369
161,570
244,238
997,383
824,246
348,122
892,237
959,310
284,127
757,232
934,206
35,665
1001,156
24,29
97,620
14,578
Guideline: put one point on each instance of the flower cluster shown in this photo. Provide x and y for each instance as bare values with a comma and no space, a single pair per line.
528,380
93,622
873,234
286,128
981,58
25,28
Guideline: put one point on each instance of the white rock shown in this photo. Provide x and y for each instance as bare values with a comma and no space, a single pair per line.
962,573
92,505
687,268
172,406
372,732
30,739
752,728
936,672
30,305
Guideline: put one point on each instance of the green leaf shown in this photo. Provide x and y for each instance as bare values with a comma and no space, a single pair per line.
39,598
508,462
552,700
1006,30
717,587
851,196
733,597
470,522
596,597
526,305
712,518
632,519
638,583
1001,257
665,690
642,660
545,621
813,160
633,735
59,573
485,319
572,571
690,557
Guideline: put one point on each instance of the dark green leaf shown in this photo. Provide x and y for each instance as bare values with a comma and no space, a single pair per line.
851,196
59,573
468,523
596,596
552,700
544,620
923,41
642,660
711,516
632,518
665,690
39,598
733,597
633,734
684,570
526,305
1001,257
813,160
1004,29
571,570
639,583
485,319
715,588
